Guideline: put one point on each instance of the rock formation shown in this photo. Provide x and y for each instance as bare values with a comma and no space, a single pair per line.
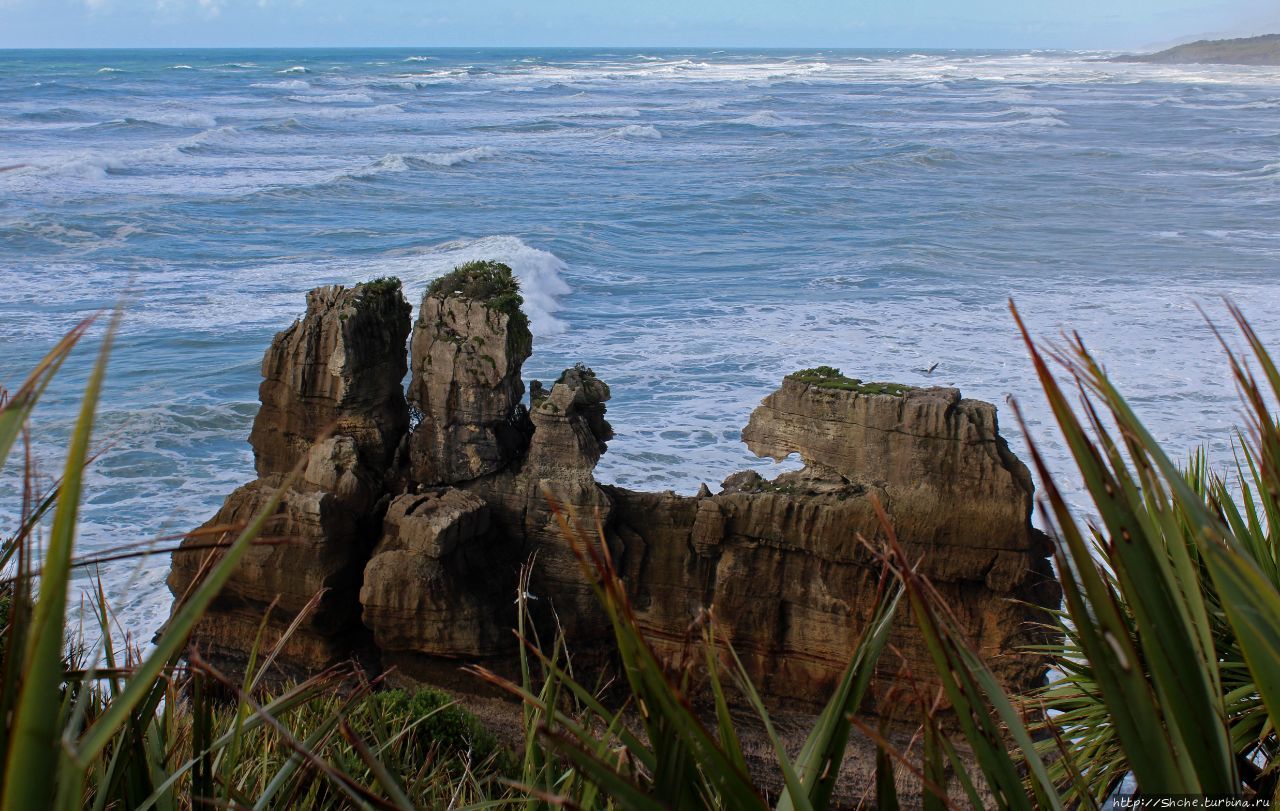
421,548
466,382
333,407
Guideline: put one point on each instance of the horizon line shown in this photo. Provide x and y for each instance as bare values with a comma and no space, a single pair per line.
558,47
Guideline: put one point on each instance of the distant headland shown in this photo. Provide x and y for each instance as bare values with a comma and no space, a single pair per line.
1263,50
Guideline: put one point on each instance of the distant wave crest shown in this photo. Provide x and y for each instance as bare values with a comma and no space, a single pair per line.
636,131
399,162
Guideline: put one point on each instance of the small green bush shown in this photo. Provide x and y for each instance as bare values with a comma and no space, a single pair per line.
456,731
379,286
489,282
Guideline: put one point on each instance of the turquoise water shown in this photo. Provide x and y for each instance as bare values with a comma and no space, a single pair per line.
691,224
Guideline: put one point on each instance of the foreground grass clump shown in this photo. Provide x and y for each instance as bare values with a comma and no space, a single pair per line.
827,377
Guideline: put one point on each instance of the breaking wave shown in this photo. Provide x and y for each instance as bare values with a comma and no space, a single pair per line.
398,162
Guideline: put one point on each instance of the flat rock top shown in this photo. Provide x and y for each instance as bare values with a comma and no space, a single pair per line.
1263,50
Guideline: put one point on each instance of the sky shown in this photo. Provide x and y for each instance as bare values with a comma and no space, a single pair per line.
1076,24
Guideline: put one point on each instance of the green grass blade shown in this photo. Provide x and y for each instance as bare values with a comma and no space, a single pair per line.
34,734
15,412
170,644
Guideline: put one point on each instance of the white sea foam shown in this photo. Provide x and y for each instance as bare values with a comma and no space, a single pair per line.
110,70
286,84
397,162
598,112
99,165
690,353
767,118
636,131
470,155
321,111
1268,170
187,119
387,163
181,67
334,98
294,69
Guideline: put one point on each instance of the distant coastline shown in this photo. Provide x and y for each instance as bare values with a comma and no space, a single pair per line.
1262,50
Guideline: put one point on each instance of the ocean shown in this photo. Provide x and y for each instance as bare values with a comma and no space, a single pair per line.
691,224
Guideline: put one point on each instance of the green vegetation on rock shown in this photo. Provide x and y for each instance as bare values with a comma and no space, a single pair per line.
581,368
381,286
486,281
828,377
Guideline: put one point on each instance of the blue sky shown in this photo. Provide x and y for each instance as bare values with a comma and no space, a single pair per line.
726,23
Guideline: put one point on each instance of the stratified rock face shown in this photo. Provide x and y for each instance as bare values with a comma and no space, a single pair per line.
948,476
336,371
786,565
429,589
569,436
466,359
332,405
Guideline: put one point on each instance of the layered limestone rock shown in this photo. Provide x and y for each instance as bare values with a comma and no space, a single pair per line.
787,566
940,459
338,372
333,407
468,347
429,589
569,435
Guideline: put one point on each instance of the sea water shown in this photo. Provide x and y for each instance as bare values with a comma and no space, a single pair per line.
691,224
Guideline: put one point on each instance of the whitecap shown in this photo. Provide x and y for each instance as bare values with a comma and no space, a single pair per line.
419,59
387,163
91,165
334,98
766,118
110,70
636,131
294,69
321,111
598,112
287,84
398,162
186,119
181,67
1268,170
470,155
